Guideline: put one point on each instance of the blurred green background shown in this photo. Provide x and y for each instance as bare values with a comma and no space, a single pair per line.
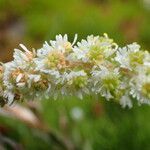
73,124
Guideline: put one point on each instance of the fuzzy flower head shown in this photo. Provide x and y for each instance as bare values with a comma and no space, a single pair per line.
23,58
62,44
96,66
125,101
22,83
55,59
106,81
131,56
140,85
77,79
95,49
54,56
75,82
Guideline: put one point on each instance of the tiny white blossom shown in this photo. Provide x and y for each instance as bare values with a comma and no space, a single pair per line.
130,56
23,58
140,85
75,82
125,101
95,49
105,81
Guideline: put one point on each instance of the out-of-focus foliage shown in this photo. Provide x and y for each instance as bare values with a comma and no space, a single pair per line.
32,21
75,124
86,124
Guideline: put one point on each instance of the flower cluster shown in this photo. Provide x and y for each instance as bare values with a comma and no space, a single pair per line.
95,66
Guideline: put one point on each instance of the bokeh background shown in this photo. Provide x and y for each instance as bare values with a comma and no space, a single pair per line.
73,124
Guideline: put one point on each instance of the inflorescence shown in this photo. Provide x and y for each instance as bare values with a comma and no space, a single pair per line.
95,66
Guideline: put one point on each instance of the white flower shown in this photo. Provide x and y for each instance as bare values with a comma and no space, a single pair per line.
61,44
126,101
83,47
22,59
8,92
52,58
9,67
130,56
105,81
140,85
18,82
75,83
11,80
123,57
133,47
94,49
